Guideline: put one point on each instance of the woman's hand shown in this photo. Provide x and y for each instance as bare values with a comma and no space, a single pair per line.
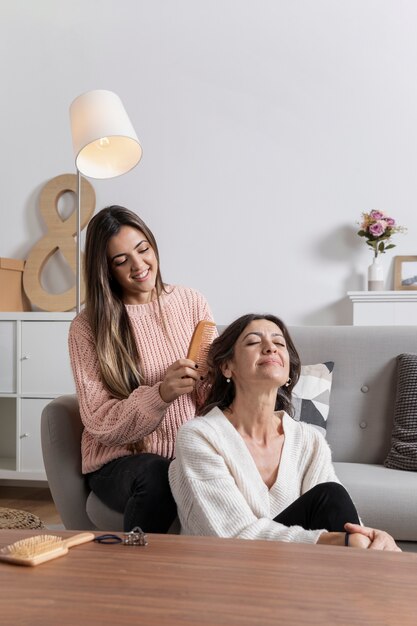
358,540
179,378
378,539
360,537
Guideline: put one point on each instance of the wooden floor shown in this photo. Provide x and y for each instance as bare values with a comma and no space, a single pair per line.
36,500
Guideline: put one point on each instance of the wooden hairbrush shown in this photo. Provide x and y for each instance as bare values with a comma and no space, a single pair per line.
40,548
202,338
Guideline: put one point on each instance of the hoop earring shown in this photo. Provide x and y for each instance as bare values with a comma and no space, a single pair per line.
288,383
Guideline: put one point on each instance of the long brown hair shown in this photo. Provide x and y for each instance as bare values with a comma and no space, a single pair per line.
221,393
115,344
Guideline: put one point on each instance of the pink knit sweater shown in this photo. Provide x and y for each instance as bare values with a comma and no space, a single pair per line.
110,425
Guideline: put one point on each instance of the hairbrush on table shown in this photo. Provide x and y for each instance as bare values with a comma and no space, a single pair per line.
40,548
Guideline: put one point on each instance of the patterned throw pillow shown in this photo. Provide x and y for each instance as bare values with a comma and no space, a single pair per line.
403,453
311,395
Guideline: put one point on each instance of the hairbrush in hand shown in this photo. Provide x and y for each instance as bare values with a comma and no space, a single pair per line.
202,338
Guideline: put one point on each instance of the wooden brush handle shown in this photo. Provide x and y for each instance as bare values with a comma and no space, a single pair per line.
77,539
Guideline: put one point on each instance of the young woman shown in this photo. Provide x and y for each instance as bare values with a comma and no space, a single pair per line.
135,386
245,469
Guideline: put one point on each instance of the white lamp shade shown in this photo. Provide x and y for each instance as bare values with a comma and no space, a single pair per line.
104,140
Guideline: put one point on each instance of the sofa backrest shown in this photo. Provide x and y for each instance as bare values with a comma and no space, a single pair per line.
364,383
363,390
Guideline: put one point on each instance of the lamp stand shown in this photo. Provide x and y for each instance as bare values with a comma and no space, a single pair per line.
78,245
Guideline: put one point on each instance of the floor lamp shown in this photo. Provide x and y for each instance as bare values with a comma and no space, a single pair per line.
105,145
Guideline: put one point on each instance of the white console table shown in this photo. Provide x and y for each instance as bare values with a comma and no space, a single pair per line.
384,308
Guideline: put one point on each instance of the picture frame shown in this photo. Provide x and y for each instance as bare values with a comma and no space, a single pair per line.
405,273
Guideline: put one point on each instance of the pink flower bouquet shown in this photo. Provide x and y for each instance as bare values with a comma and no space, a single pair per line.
378,229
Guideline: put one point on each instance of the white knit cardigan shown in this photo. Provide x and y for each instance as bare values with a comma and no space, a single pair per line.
219,490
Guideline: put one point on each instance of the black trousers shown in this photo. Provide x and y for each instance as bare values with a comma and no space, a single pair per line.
137,486
327,505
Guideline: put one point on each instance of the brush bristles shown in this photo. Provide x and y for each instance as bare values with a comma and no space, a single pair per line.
201,341
32,546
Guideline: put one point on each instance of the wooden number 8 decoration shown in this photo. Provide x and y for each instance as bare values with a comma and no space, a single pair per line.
60,236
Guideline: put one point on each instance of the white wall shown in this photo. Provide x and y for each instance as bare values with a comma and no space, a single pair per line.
267,127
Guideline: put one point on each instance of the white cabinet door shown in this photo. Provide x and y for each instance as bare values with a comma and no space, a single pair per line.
45,363
8,357
31,459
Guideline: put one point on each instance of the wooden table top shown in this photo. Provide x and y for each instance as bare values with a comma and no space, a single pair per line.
178,580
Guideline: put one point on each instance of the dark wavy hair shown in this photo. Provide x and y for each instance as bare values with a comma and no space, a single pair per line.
220,392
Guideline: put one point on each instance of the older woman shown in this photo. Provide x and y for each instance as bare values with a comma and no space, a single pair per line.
245,468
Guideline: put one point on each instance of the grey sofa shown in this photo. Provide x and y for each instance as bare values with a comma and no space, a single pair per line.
360,419
359,431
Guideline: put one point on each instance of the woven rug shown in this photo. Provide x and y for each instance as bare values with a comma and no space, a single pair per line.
13,518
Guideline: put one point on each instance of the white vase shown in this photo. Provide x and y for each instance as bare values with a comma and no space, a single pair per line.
375,276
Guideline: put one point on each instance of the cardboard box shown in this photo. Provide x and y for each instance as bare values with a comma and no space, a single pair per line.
12,296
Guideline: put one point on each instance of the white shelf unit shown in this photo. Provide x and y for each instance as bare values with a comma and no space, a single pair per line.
34,369
384,308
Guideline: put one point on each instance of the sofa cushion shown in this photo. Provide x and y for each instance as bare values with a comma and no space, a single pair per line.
311,394
382,497
403,453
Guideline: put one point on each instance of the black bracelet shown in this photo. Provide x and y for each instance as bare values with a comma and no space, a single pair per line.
346,539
